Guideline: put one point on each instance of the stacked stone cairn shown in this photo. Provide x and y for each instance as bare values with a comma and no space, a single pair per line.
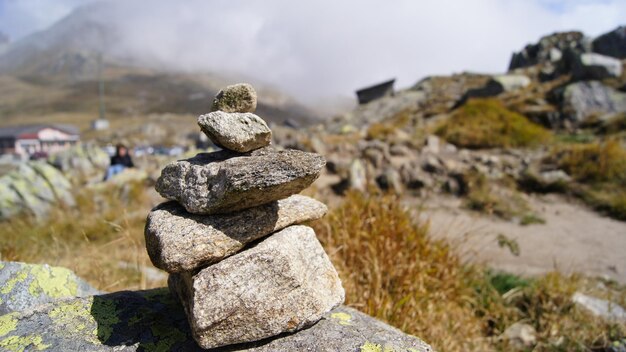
239,263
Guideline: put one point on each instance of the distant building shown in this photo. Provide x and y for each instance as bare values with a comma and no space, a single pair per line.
29,140
378,91
100,124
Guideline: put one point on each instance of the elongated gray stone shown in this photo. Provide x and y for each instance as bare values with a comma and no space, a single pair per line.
225,181
239,97
240,132
283,284
179,241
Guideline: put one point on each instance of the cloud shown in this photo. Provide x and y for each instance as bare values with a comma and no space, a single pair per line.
324,48
19,18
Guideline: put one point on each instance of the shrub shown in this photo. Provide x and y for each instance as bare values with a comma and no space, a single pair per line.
487,123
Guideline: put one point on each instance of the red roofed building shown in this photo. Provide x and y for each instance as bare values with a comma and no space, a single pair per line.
28,140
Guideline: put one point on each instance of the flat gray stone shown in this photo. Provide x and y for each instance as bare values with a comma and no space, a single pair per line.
153,320
582,100
225,181
239,97
283,284
179,241
240,132
24,286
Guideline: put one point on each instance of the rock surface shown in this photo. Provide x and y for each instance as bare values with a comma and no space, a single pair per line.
82,160
542,51
24,286
591,66
34,187
498,84
585,99
600,307
179,241
240,132
283,284
236,98
153,321
612,43
225,181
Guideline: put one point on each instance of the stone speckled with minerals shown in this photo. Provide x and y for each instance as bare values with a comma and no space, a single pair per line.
240,132
283,284
225,181
177,240
239,97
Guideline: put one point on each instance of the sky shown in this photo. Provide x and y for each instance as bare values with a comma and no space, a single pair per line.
324,48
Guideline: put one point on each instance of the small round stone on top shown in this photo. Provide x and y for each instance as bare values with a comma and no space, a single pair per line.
239,97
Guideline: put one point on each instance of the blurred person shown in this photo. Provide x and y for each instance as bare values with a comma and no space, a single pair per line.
120,161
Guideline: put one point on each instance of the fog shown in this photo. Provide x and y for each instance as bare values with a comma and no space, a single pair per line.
321,49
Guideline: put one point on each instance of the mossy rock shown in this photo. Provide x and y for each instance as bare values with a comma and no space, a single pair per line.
24,286
487,123
33,188
153,321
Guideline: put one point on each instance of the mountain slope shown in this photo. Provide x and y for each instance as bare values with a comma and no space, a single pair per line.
56,73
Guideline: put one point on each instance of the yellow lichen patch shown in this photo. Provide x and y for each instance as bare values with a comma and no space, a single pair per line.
371,347
10,283
74,317
54,282
21,343
8,323
343,318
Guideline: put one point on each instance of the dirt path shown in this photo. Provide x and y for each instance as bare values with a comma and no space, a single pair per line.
574,238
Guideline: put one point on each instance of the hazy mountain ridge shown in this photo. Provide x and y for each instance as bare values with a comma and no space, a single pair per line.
56,71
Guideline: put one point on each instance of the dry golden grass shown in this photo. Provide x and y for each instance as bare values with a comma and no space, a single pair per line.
594,162
600,171
387,129
392,270
94,239
389,266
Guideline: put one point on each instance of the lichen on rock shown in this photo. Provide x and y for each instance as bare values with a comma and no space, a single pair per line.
28,285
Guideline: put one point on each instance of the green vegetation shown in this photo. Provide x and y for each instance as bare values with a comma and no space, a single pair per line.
392,270
487,123
505,282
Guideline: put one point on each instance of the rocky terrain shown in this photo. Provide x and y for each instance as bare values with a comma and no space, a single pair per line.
64,65
241,269
524,172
